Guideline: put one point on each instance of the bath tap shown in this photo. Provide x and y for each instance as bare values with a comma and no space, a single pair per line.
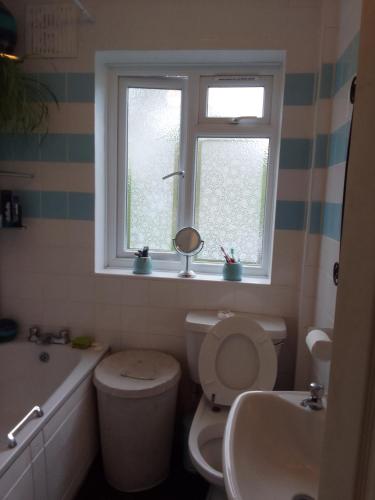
62,337
315,401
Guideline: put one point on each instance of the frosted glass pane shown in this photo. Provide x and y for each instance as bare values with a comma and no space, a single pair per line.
229,102
230,196
153,148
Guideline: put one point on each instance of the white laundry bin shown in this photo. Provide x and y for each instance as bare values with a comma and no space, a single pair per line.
137,392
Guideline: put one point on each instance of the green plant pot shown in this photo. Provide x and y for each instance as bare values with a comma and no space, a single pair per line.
232,272
142,265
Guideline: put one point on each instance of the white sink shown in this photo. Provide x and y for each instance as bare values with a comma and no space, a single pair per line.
272,447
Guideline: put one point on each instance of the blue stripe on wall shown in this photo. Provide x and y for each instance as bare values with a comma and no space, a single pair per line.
332,220
57,204
295,153
299,89
315,217
290,215
346,65
74,148
326,81
321,150
338,145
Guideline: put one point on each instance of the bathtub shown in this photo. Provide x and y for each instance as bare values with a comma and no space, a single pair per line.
54,451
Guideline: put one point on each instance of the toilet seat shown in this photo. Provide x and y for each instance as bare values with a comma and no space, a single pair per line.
236,356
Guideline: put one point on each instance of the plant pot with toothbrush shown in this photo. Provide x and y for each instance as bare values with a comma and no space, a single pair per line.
142,263
232,269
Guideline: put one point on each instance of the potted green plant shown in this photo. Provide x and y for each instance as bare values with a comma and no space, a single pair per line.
23,99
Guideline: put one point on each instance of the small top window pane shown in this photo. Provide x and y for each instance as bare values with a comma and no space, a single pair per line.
231,102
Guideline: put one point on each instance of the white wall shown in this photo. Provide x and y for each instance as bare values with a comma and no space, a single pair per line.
47,273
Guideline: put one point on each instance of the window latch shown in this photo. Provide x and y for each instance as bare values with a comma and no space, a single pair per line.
239,119
178,172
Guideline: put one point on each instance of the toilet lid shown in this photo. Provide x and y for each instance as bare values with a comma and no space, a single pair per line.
236,356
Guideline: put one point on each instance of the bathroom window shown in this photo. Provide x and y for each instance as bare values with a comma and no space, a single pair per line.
190,145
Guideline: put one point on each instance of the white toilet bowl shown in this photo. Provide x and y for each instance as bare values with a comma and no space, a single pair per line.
205,441
236,354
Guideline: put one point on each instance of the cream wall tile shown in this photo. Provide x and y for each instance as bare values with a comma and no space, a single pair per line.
286,270
341,108
19,183
323,116
335,184
310,279
22,285
108,317
80,118
318,186
329,53
80,261
350,22
80,234
330,9
108,290
273,300
81,315
329,253
289,243
25,311
80,177
307,312
297,121
54,260
326,300
313,249
54,287
134,292
53,232
293,185
198,295
162,293
55,314
53,176
81,288
153,320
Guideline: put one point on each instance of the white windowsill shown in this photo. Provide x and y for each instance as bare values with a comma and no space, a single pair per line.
172,275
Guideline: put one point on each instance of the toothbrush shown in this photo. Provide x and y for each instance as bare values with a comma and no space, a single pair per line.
226,256
233,260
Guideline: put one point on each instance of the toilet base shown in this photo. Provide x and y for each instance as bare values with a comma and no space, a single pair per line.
216,493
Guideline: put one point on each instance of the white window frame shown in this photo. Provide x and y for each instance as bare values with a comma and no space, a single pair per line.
198,68
255,79
124,83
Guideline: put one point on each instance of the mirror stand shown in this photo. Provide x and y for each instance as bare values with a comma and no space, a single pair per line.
188,243
187,273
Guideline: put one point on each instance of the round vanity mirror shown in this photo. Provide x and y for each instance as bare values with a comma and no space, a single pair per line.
188,242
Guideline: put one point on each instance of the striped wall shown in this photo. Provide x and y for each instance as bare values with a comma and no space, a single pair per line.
295,152
47,271
317,299
331,148
78,148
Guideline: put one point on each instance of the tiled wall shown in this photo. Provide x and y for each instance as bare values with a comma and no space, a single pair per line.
47,270
339,49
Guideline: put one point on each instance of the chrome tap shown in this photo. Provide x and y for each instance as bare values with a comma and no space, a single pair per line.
62,337
315,401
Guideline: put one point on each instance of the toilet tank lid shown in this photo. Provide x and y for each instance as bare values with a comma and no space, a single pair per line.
137,373
203,321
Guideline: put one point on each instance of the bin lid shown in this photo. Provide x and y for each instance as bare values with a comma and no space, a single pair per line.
137,373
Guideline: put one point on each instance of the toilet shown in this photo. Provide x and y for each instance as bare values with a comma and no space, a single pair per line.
227,355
